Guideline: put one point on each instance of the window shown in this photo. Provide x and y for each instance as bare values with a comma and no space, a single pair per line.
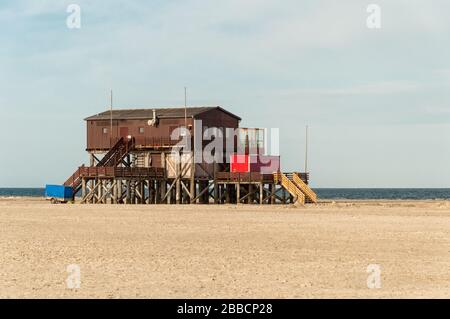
243,137
141,130
105,130
260,138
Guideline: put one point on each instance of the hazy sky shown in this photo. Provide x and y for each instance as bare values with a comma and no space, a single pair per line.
377,100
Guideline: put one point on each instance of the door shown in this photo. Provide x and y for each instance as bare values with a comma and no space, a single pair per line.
123,131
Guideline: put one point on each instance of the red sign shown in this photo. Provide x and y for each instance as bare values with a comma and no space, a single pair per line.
239,163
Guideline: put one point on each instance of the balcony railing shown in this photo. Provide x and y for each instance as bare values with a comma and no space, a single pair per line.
151,141
244,177
154,172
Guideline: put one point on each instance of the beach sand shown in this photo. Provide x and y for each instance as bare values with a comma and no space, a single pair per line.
225,251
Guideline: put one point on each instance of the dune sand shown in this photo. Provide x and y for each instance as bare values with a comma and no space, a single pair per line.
225,251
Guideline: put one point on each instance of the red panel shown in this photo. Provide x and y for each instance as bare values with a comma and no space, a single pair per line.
239,163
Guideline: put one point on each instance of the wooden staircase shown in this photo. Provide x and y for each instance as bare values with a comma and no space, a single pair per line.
113,158
117,153
296,186
291,187
310,195
75,180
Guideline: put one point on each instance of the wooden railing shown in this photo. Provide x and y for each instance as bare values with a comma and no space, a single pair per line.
112,158
110,171
244,177
157,142
111,152
290,187
309,193
75,179
116,154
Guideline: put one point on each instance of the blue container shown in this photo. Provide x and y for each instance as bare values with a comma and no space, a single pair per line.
59,193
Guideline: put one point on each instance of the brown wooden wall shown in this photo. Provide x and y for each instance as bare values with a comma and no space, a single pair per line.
97,140
216,118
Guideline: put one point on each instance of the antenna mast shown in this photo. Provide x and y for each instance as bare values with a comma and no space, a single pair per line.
185,110
111,116
306,150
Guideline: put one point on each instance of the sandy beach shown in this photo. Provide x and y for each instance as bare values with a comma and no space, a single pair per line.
225,251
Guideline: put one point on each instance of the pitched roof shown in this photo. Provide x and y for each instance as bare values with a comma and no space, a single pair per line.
168,112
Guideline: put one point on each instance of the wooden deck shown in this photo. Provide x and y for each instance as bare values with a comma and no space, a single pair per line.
121,172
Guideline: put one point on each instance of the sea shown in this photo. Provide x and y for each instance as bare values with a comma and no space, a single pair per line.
322,193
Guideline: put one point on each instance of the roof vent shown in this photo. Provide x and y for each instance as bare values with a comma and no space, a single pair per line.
154,120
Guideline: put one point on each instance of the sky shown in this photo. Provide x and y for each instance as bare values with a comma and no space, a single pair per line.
377,101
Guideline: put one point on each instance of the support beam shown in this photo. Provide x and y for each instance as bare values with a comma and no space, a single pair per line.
261,193
202,192
238,193
178,179
192,181
216,185
83,187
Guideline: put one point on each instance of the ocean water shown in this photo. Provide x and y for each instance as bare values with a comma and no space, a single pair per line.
383,193
15,192
322,193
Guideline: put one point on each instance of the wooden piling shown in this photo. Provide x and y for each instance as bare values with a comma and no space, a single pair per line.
238,193
261,193
216,185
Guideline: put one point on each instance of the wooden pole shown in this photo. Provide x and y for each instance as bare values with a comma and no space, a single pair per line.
272,193
185,110
261,193
128,192
216,186
119,191
238,193
83,187
142,191
111,118
178,182
92,182
157,192
114,192
151,189
192,182
164,183
306,150
100,190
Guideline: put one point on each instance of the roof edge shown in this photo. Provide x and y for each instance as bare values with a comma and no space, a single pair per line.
223,110
92,117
